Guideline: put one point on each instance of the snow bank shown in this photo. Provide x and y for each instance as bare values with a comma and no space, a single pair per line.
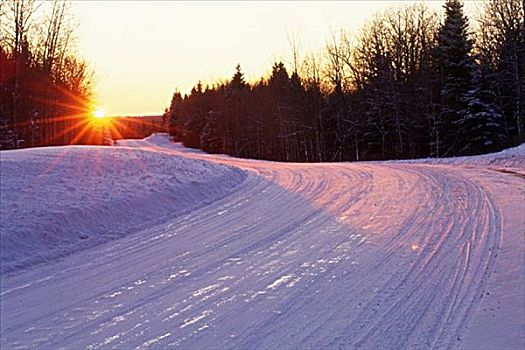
57,200
511,158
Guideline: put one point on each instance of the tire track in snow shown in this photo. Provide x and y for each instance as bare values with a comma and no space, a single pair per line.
428,265
465,236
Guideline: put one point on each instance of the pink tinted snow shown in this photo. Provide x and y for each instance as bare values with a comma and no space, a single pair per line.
57,200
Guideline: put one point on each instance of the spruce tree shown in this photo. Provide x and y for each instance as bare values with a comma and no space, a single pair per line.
235,114
175,116
481,125
211,135
456,71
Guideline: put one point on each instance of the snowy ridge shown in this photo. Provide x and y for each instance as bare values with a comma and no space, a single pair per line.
61,199
511,158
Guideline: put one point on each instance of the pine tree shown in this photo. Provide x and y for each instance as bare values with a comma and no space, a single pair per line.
174,116
237,82
278,89
211,139
456,70
235,114
195,116
481,126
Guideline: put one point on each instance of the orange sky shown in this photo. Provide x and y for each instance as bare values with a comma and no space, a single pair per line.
142,50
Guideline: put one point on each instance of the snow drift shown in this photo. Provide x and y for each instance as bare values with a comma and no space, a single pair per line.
58,200
508,159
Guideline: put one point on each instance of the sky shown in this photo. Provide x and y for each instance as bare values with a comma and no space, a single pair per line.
142,51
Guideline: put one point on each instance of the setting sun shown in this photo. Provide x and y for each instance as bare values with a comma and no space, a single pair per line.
99,113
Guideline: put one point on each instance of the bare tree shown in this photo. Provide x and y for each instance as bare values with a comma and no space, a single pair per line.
311,73
386,64
57,39
338,54
3,24
54,46
294,41
48,85
17,16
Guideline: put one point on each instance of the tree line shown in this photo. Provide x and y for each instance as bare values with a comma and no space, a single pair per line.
414,83
45,87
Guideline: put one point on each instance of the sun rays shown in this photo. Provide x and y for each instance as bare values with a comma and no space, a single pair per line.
99,113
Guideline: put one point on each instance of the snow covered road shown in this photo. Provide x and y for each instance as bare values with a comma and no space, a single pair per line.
364,256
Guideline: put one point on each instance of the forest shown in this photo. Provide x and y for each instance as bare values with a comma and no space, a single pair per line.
137,127
413,83
45,86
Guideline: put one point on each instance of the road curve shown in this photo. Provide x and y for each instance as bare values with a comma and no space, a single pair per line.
361,256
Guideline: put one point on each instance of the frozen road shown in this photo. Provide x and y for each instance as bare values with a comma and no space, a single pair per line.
359,256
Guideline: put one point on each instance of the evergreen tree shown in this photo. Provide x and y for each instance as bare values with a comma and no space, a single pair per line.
481,127
174,115
455,68
235,114
278,90
501,46
195,116
237,82
211,135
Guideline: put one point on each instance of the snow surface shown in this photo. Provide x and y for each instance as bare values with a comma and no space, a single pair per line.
57,200
511,159
260,255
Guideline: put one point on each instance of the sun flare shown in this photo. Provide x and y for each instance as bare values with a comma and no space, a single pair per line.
99,113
